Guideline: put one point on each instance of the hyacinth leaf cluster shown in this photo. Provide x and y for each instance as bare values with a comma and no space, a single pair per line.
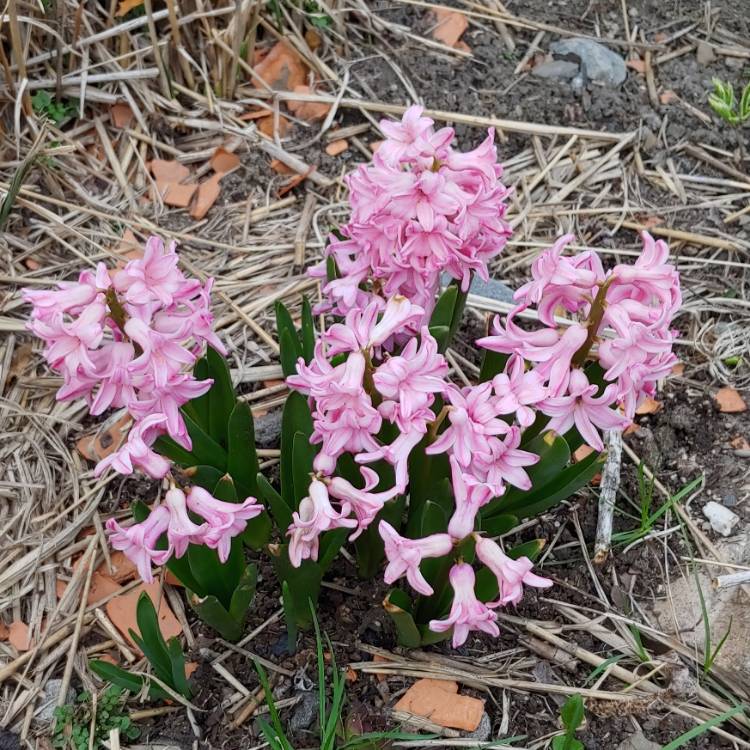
166,658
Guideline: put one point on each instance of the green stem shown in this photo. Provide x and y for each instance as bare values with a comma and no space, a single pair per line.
368,383
434,426
596,314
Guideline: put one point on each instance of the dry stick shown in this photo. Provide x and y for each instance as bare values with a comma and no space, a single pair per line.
533,47
699,153
512,126
164,79
88,560
18,52
677,234
607,495
303,228
731,579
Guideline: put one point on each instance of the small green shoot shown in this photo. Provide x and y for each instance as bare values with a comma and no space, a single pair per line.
165,657
710,654
330,717
724,102
59,112
73,722
640,650
603,667
648,519
572,715
691,734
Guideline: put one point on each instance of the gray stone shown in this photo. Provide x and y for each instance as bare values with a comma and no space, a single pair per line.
9,740
561,70
482,732
491,289
705,53
598,63
638,742
305,712
268,429
48,701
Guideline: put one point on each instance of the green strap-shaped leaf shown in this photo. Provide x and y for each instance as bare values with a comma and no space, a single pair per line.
288,352
330,544
242,458
116,675
221,398
150,640
244,593
295,418
291,616
280,511
569,480
258,531
199,407
369,546
289,342
531,549
205,451
204,476
493,363
225,490
214,577
165,446
398,607
442,314
215,615
307,331
554,456
230,624
302,584
441,334
498,525
177,659
302,457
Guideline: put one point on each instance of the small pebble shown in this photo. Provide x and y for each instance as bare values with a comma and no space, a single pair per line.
722,519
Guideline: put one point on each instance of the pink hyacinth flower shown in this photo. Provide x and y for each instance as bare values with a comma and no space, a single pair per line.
69,344
405,555
364,332
136,452
161,358
413,377
409,137
467,612
224,521
181,530
155,276
138,542
314,516
473,421
117,385
582,408
69,296
470,495
365,503
505,463
511,574
517,390
167,399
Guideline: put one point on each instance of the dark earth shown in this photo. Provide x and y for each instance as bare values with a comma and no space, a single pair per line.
688,436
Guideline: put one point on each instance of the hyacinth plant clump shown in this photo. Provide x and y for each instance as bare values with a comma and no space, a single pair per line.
380,445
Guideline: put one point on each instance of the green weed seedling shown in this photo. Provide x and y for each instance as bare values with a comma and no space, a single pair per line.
724,103
59,111
572,717
331,732
74,722
166,658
